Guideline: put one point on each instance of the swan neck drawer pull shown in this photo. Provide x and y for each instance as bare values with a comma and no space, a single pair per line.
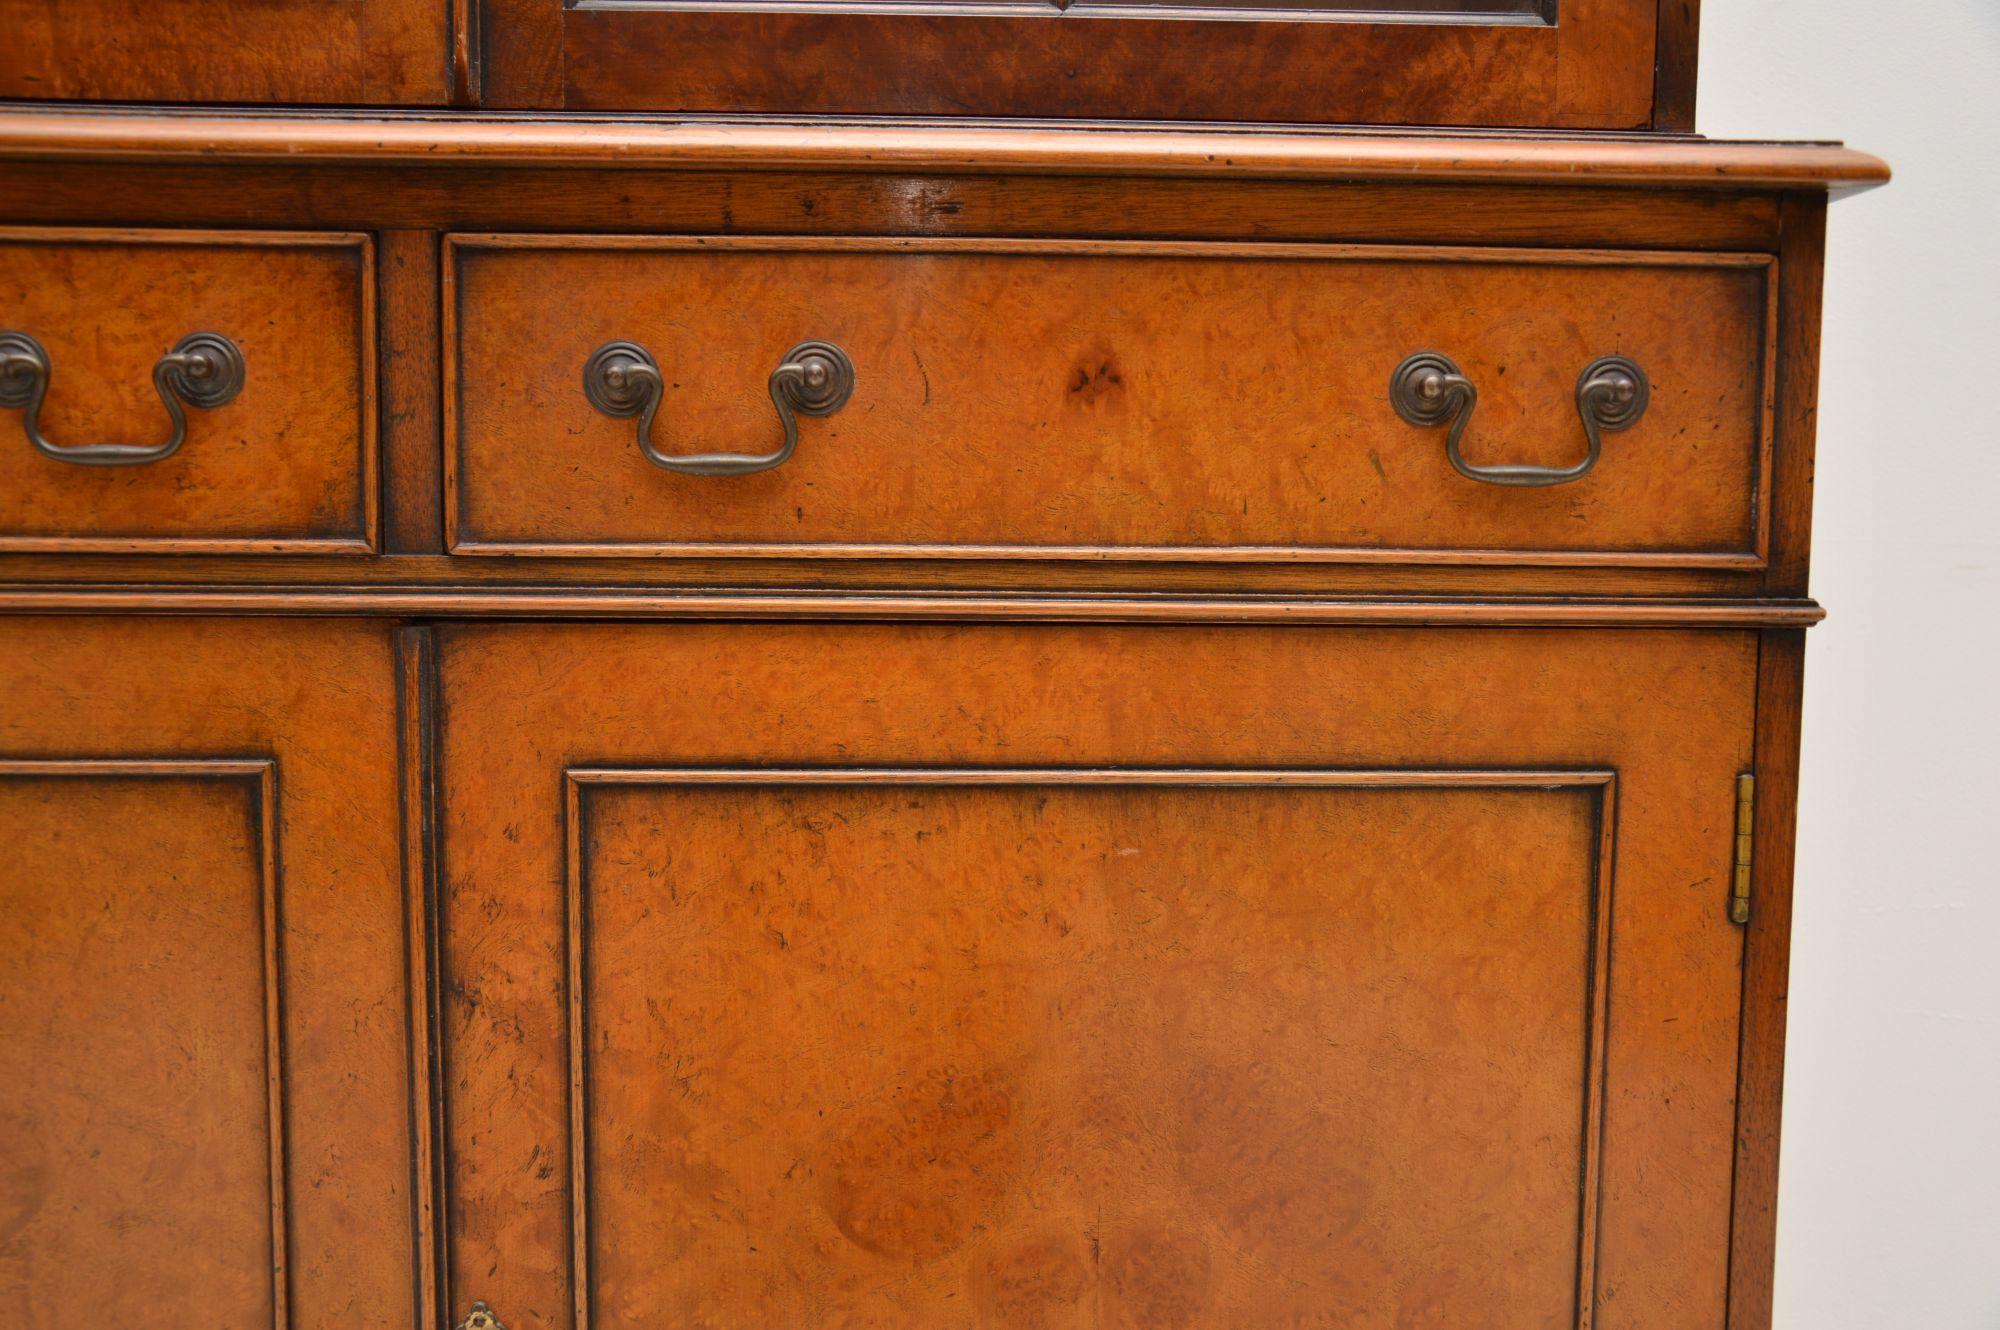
202,370
1428,390
814,379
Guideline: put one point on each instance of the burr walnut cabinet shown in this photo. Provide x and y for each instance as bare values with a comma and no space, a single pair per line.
729,719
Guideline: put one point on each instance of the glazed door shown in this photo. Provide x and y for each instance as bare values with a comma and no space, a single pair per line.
924,976
1578,64
204,1070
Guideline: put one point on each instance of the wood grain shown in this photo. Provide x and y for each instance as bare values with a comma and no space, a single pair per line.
310,51
851,1069
1679,55
1766,981
310,573
1799,309
467,63
1593,69
406,52
413,521
1588,65
1104,401
141,1044
781,203
289,465
754,939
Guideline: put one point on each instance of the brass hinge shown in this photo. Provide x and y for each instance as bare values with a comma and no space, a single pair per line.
1746,831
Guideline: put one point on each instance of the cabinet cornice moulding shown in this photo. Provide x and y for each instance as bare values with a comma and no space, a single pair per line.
66,134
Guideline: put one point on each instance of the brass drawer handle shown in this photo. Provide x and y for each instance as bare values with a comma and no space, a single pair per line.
1427,390
814,379
203,369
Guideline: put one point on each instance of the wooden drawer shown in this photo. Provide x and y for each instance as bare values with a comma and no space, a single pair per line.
1106,400
92,320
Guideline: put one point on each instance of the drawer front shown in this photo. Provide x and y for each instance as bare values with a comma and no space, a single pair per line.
1106,400
277,440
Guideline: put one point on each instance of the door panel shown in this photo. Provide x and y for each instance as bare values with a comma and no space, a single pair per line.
923,1043
139,919
1009,976
204,1069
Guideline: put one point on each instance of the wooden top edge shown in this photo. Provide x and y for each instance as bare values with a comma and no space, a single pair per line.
604,603
502,140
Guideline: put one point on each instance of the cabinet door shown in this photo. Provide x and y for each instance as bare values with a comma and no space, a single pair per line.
1580,64
204,1071
928,976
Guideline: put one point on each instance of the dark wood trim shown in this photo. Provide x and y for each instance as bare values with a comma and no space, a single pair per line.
837,244
416,715
1760,1080
1310,778
264,815
470,602
576,1047
1801,274
412,517
415,572
1676,56
1360,555
438,141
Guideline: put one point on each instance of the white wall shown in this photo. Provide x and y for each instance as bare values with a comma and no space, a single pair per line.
1890,1200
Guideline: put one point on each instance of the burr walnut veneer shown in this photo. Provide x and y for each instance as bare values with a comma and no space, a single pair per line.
748,723
1066,399
287,465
